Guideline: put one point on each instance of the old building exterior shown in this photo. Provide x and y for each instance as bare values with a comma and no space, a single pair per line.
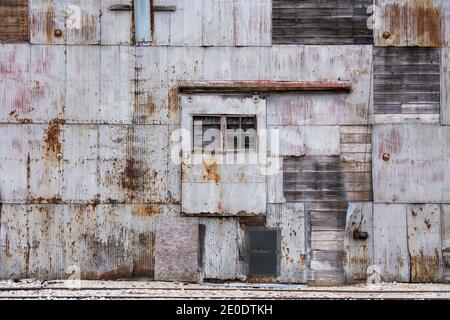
225,140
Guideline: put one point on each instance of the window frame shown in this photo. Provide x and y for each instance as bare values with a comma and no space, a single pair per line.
223,150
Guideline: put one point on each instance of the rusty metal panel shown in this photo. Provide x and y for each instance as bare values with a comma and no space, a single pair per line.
289,218
445,84
14,156
220,249
186,27
65,22
176,249
14,246
411,163
44,163
390,234
83,84
117,90
116,25
48,83
215,190
358,248
409,23
217,63
445,220
424,242
80,158
153,104
13,21
253,22
46,239
15,93
251,63
218,23
133,164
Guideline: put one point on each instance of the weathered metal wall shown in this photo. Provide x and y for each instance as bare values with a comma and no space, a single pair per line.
86,171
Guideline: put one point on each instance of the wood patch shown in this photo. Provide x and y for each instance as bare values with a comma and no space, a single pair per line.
13,21
321,22
406,80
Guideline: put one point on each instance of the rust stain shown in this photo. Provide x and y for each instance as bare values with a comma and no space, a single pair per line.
174,103
210,172
391,143
115,274
130,175
144,210
425,268
427,21
40,200
52,139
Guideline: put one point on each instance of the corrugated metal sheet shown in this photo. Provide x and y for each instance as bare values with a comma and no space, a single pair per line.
64,22
14,21
409,23
321,22
104,241
407,81
424,242
110,20
445,84
415,169
390,233
289,219
358,251
445,220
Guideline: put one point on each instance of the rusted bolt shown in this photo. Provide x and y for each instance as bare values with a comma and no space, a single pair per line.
255,98
58,33
189,98
59,156
386,34
386,156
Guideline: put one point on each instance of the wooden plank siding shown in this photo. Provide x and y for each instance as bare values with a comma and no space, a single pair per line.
321,22
13,21
407,81
327,183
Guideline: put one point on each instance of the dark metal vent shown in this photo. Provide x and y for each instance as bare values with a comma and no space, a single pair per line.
262,251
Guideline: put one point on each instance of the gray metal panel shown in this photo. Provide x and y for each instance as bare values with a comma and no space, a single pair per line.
417,168
390,231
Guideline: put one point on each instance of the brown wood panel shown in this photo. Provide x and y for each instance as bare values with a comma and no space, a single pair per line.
321,22
13,21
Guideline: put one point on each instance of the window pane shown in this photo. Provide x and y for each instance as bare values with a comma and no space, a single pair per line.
241,133
207,133
248,133
233,133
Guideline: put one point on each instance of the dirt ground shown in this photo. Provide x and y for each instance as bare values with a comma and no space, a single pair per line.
92,290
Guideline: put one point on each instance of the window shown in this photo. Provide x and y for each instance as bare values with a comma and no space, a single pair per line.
262,251
13,21
228,134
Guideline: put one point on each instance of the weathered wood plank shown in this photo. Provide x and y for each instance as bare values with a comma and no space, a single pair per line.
390,242
13,21
324,22
445,82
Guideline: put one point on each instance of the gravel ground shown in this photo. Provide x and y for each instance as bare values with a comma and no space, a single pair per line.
92,290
